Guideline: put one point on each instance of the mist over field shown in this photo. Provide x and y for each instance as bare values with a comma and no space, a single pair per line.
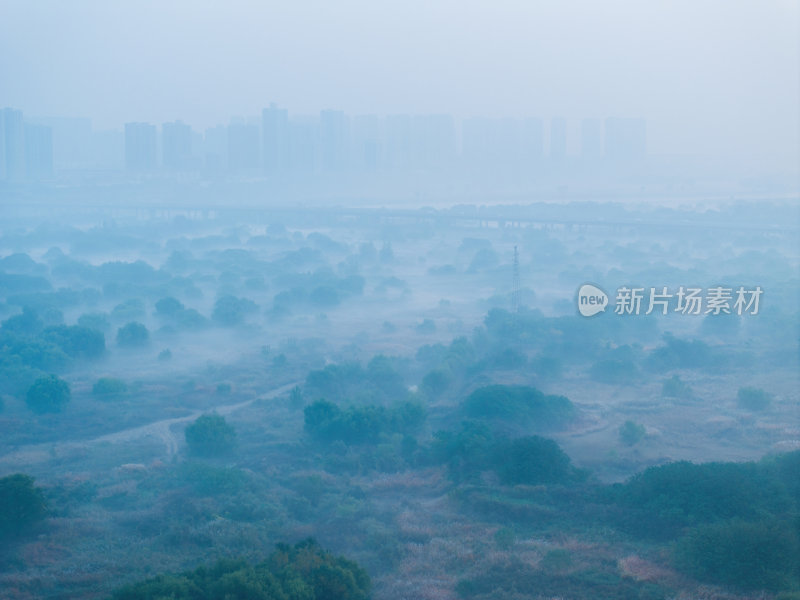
433,301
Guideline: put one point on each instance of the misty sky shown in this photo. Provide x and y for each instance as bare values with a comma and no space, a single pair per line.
718,77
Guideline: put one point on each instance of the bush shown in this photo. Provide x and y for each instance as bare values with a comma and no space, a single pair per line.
169,307
109,386
674,387
520,404
436,382
326,422
21,504
531,460
210,435
304,571
750,556
48,394
751,398
128,310
662,501
77,341
631,433
230,311
132,335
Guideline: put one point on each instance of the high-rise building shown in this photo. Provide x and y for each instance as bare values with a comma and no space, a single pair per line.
303,146
176,145
558,138
433,141
531,141
626,138
38,151
2,147
591,139
334,134
215,149
398,154
14,144
72,142
275,139
140,146
501,144
367,143
243,146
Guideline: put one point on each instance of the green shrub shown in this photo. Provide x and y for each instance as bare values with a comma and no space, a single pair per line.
631,433
531,460
210,435
662,501
133,334
326,422
109,386
436,382
674,387
519,404
751,398
302,572
21,504
48,394
750,556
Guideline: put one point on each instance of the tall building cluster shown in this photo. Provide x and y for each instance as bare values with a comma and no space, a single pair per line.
276,144
26,148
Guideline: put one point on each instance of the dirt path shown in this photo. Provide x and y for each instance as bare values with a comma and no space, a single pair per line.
162,430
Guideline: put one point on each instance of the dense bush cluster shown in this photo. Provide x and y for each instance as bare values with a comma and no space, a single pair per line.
28,349
21,504
736,523
326,422
302,572
520,404
528,460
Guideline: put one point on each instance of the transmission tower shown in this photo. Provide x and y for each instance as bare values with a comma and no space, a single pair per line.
515,292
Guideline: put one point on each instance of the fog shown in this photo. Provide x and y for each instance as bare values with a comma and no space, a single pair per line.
420,300
713,79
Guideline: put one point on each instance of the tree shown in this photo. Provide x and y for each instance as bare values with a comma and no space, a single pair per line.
21,504
532,460
133,334
77,341
436,382
47,394
230,310
169,307
210,435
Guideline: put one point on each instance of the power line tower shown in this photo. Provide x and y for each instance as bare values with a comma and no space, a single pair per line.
515,291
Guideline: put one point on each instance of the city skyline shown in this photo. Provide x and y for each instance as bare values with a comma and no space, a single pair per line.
720,77
279,141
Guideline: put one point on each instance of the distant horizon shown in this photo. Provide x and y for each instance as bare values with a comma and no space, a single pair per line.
721,77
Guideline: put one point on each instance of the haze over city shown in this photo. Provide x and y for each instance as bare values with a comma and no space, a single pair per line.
714,78
377,300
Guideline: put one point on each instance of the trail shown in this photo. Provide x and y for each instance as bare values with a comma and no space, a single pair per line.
162,430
